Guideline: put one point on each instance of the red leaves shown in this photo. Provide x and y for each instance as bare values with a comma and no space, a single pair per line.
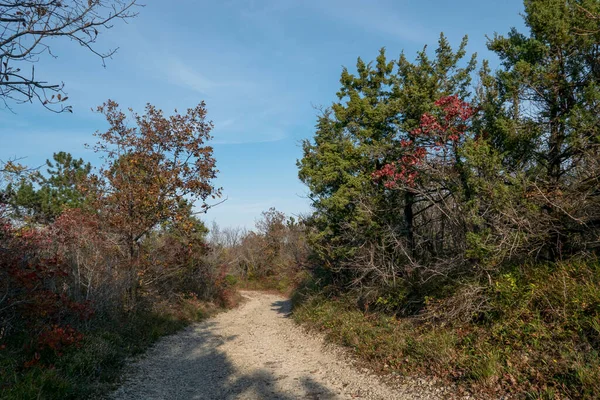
38,282
454,107
34,361
402,171
450,124
54,339
437,134
58,337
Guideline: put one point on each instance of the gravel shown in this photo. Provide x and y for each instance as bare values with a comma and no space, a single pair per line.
257,352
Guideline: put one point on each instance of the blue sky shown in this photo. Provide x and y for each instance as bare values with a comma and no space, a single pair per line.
262,66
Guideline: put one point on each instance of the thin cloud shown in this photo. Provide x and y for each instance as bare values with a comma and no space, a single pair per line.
182,75
185,75
227,122
375,17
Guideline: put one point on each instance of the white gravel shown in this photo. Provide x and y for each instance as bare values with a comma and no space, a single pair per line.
255,352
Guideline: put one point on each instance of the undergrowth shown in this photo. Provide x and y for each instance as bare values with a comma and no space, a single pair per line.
94,366
536,335
284,283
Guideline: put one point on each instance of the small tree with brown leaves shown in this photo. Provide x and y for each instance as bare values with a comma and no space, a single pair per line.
154,170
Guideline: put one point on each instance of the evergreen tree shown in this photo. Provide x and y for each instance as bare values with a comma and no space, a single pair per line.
550,88
377,110
43,198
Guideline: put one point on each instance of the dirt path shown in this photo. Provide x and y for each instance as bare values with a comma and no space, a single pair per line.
252,352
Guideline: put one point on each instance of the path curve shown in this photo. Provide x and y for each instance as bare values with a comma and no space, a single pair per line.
253,352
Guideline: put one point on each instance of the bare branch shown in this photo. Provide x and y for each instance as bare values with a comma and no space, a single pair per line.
26,26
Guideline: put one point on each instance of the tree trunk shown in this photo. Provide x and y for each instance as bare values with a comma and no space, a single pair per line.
409,200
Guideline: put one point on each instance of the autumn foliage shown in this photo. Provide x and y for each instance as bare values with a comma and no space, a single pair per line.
37,295
273,256
152,169
83,247
435,140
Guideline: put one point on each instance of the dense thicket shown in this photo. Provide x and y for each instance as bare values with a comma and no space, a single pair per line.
273,256
367,231
470,204
82,249
420,178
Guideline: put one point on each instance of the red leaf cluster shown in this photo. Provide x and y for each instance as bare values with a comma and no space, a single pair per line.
437,133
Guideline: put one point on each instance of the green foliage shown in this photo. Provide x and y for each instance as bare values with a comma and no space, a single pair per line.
513,183
472,208
392,300
378,107
231,280
525,342
43,197
553,72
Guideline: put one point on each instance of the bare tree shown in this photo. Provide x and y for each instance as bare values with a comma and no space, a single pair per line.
26,26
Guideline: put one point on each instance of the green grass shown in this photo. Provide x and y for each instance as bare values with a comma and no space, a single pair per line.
538,338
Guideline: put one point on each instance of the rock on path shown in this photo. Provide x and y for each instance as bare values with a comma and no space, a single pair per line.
253,352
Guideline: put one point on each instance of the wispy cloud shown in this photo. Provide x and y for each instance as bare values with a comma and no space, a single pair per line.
375,17
227,122
245,109
186,75
183,75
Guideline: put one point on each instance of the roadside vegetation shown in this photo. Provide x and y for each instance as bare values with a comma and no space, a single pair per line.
97,264
273,257
455,230
454,233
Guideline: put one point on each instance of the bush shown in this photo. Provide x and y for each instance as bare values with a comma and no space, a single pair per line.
272,258
538,335
94,367
71,310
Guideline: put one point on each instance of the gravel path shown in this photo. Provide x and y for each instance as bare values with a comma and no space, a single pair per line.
253,352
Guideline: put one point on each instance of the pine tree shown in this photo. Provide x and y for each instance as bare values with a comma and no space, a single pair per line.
550,88
377,109
43,197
